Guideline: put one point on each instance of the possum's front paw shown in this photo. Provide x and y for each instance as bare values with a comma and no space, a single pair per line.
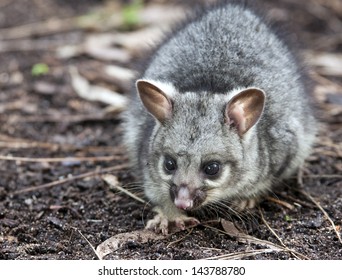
245,204
161,223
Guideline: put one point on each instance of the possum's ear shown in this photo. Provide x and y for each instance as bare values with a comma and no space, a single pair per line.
154,100
245,109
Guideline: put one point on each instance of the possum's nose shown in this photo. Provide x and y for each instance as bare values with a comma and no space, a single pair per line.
183,199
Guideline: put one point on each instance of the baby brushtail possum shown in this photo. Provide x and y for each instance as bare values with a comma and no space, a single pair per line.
220,114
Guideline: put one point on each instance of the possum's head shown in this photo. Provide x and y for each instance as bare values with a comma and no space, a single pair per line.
196,152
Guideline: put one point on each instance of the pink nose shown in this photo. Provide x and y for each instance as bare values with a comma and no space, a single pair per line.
183,199
184,204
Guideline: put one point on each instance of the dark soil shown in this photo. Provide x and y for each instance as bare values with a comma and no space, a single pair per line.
41,116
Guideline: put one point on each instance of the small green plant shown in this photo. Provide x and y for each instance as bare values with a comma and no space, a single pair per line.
288,218
130,14
40,69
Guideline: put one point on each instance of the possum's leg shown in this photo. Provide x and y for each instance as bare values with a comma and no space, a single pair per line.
163,223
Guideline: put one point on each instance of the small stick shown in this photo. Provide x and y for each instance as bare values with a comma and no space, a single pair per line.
113,182
299,202
329,176
300,182
19,143
91,246
57,118
322,176
280,202
81,176
190,230
251,239
42,28
68,159
240,255
292,252
324,213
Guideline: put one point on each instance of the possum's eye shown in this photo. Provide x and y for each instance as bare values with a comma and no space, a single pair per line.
211,168
170,164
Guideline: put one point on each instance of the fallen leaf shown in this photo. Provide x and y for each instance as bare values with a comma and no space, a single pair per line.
101,46
115,242
119,73
232,231
329,64
96,93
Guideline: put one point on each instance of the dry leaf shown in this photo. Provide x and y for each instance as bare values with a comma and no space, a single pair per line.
101,46
96,93
161,14
98,46
139,236
329,64
119,73
232,231
140,40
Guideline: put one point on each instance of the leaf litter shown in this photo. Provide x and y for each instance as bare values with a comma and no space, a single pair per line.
63,103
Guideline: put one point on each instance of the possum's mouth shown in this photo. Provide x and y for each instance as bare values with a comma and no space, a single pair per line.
186,198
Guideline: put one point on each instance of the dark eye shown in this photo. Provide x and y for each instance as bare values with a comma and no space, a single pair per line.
212,168
169,164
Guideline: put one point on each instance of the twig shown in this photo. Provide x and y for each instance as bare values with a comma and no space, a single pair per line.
240,255
29,46
324,213
322,176
113,182
27,145
292,252
12,142
66,159
300,182
91,246
319,176
81,176
298,201
47,27
252,239
59,118
180,239
19,143
283,203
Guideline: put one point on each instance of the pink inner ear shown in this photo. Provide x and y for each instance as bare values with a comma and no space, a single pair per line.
237,117
155,100
163,105
245,109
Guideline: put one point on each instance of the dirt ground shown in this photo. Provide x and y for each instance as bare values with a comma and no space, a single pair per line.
56,145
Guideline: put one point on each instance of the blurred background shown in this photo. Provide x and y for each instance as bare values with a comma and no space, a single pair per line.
66,68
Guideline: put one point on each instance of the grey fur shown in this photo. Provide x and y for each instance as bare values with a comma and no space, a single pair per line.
200,68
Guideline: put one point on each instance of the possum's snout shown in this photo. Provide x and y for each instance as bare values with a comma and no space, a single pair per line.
187,198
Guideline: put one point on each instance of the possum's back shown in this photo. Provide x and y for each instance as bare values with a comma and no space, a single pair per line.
232,47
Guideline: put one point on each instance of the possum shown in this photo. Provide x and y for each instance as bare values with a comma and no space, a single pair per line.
219,114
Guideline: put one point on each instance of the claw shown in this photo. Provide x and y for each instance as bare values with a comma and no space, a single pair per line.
160,223
164,225
246,204
180,224
184,222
